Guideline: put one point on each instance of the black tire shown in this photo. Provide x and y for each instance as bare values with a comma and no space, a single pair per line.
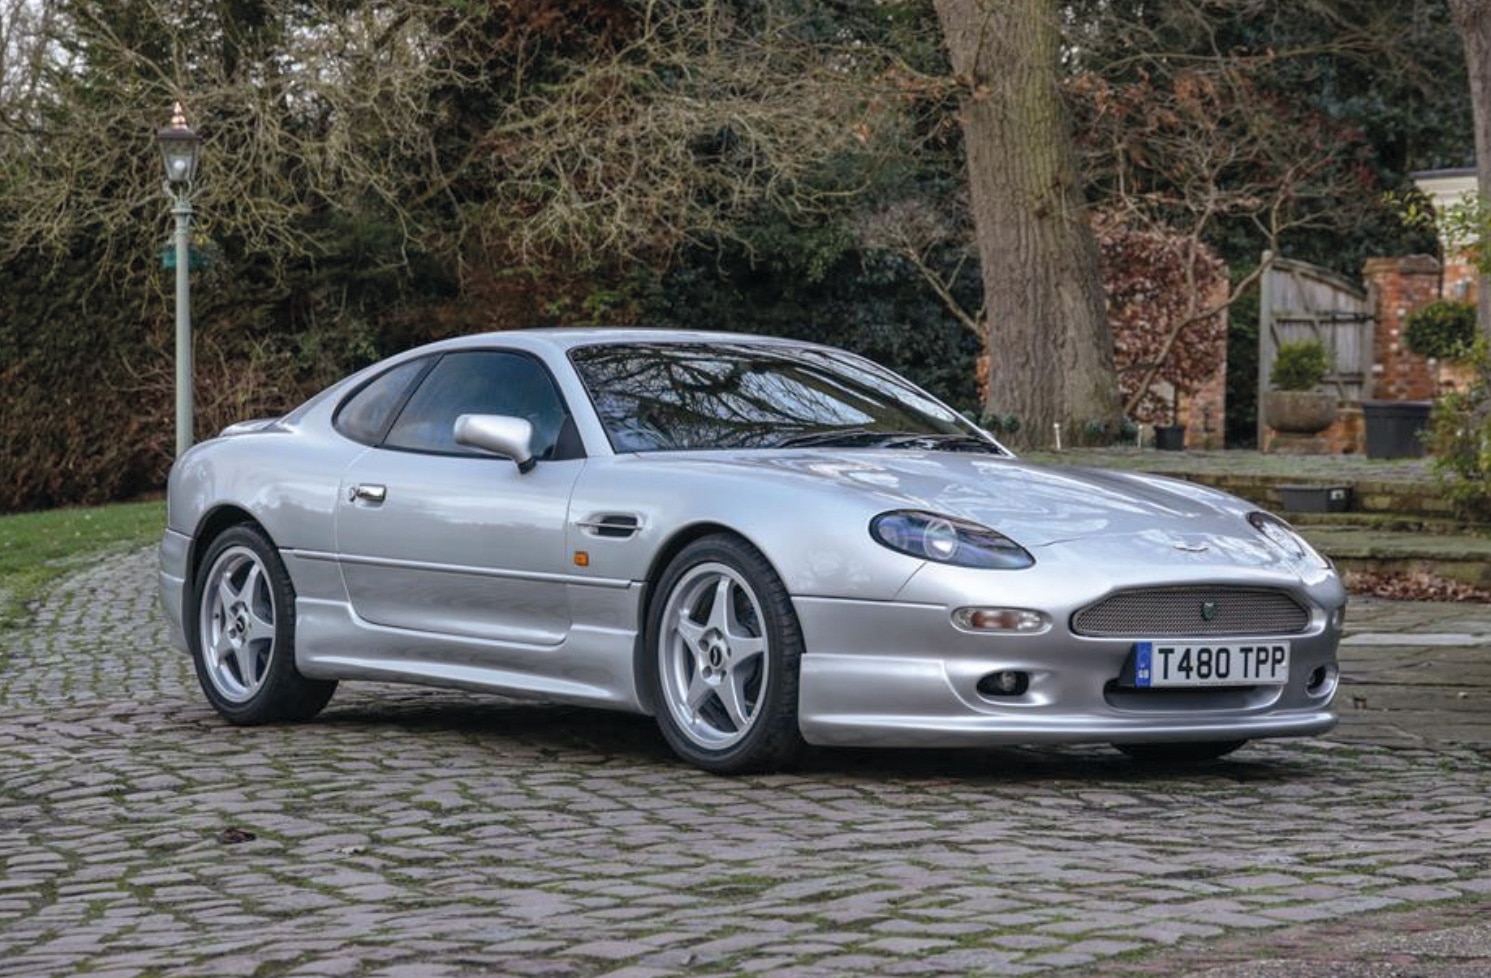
242,633
1181,753
723,676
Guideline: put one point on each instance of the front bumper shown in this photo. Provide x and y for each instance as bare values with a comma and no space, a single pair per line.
894,674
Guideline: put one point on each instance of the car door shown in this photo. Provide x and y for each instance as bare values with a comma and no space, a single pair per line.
436,537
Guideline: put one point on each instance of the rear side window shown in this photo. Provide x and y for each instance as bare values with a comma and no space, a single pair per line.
365,415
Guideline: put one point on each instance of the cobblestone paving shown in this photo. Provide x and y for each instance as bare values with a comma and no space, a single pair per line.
427,833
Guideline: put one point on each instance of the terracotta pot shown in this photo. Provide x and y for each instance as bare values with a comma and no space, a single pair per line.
1299,412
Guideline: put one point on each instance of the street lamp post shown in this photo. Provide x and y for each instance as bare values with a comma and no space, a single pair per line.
179,148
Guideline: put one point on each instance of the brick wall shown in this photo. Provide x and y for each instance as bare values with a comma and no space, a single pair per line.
1461,281
1397,286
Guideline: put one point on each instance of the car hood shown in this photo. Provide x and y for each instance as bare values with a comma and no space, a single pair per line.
1138,516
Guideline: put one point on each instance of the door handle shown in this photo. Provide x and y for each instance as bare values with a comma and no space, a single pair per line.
371,494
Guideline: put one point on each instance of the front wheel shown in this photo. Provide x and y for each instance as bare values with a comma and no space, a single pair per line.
1181,753
243,636
723,650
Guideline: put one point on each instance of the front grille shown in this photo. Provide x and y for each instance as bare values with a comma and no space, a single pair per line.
1192,612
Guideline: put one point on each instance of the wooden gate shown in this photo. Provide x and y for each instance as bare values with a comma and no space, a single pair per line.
1300,301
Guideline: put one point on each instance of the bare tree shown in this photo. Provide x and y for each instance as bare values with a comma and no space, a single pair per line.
427,115
1180,154
919,233
26,29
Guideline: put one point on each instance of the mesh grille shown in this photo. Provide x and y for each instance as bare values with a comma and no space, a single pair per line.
1192,612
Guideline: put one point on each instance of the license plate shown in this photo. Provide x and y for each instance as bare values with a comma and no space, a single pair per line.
1200,664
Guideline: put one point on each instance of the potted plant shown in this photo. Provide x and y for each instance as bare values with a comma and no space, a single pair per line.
1297,405
1444,332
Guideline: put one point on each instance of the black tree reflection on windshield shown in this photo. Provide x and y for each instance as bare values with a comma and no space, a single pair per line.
671,397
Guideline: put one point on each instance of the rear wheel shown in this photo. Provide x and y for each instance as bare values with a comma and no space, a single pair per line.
723,650
243,638
1181,753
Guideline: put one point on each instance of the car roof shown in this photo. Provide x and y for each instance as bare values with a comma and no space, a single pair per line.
564,338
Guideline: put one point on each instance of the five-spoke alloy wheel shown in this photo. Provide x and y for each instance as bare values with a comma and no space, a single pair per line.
723,647
243,642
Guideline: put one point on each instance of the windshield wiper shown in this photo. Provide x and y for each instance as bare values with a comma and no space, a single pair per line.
938,442
841,437
865,438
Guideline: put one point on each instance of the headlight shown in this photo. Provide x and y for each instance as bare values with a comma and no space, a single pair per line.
948,541
1283,536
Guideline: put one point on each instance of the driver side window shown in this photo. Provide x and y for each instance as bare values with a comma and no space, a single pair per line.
480,382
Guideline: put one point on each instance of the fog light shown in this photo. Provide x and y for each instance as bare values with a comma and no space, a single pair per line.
1005,682
1000,620
1322,681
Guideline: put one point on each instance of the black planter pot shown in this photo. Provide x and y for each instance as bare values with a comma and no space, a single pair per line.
1395,428
1170,437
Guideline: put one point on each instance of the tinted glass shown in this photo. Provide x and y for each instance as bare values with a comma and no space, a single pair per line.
668,397
365,415
479,382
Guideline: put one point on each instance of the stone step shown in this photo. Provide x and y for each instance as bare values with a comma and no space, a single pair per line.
1386,523
1462,557
1404,486
1367,496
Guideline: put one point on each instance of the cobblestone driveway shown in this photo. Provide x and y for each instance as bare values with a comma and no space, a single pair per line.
433,833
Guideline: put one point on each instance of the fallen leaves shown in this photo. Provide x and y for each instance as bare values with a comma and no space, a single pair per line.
1417,586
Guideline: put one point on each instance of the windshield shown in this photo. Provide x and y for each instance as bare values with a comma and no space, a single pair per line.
680,396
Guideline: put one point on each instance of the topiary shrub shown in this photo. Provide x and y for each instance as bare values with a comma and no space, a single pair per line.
1442,330
1299,366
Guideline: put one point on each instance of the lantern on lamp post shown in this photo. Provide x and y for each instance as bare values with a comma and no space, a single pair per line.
179,148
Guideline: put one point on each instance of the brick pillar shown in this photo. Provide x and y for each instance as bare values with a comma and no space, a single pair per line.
1397,286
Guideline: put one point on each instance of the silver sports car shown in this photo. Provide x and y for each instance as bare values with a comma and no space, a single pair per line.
762,543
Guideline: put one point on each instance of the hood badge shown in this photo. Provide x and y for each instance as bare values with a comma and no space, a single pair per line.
1191,548
1209,610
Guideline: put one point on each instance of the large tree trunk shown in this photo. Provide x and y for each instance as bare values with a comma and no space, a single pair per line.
1473,18
1051,353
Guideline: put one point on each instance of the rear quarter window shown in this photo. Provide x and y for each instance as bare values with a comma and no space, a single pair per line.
365,416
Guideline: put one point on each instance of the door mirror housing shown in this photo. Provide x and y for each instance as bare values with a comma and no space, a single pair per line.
498,434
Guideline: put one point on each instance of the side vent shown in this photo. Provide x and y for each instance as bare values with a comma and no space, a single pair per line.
611,525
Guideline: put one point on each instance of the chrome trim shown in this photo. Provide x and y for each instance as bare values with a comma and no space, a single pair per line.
617,526
368,493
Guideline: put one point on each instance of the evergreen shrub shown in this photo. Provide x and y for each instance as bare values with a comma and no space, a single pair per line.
1299,366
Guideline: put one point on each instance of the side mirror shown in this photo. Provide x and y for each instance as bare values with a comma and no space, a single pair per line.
498,434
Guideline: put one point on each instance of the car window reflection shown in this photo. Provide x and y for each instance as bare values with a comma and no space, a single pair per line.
673,397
